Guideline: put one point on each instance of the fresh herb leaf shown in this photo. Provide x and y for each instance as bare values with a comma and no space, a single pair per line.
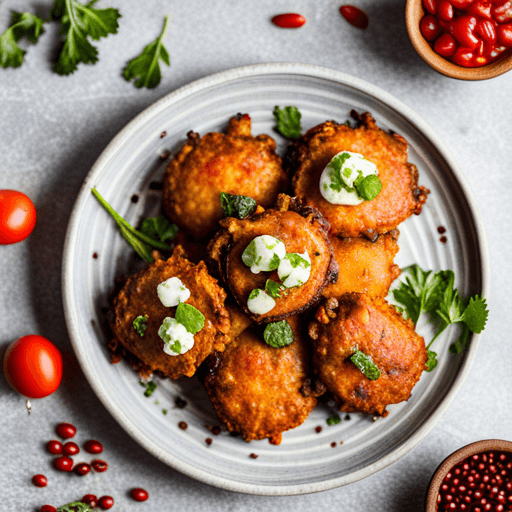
368,187
274,262
150,387
431,360
239,207
273,288
23,24
333,420
288,122
337,179
159,228
249,254
78,22
176,347
190,317
365,364
297,260
462,341
76,506
475,315
278,334
164,411
140,324
145,68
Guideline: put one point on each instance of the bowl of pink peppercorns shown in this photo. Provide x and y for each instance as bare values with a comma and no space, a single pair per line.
475,478
464,39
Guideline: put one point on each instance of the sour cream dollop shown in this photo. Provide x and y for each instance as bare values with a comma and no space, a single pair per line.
260,302
263,254
172,291
294,269
177,340
337,182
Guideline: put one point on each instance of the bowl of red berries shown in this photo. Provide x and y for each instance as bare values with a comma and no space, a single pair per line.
476,478
464,39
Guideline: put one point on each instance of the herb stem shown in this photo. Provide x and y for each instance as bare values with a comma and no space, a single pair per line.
137,245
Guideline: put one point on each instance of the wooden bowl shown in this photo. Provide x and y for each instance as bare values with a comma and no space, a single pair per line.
455,458
413,14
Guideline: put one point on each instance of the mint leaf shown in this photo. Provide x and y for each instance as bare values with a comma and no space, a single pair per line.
272,288
368,187
288,122
190,317
159,228
145,68
140,324
475,315
431,360
365,364
278,334
239,207
333,420
150,387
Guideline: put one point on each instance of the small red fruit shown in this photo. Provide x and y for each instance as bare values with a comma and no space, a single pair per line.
463,57
17,216
461,4
54,447
445,45
106,502
481,9
429,27
70,448
39,481
289,20
445,10
90,499
354,16
486,29
502,12
65,430
48,508
63,463
139,494
82,468
93,446
430,6
462,29
99,465
505,34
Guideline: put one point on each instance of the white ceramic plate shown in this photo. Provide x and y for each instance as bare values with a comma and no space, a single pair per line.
305,461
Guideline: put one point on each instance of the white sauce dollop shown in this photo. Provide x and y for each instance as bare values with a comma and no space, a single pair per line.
172,292
177,340
294,269
260,302
263,254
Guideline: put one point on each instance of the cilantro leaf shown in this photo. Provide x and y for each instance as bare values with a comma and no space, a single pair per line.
145,68
239,207
288,122
140,324
278,334
273,288
333,420
76,506
150,387
431,360
337,180
159,228
23,24
190,317
462,342
475,315
365,364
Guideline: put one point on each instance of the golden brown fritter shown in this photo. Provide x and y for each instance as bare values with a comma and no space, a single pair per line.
300,229
400,196
365,267
256,389
375,328
139,297
235,162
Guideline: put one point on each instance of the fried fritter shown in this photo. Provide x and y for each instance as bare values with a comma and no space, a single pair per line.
300,229
365,267
139,297
235,163
256,389
375,328
400,196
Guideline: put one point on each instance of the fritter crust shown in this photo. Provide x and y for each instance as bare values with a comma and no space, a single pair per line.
139,297
400,196
365,267
374,327
256,389
299,229
235,162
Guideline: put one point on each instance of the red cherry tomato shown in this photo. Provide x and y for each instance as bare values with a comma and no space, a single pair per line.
445,45
445,10
462,29
354,16
430,6
17,216
33,366
289,20
505,34
429,27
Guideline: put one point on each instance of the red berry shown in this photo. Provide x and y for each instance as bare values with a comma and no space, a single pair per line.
39,481
430,6
461,4
505,34
90,499
106,502
486,29
63,463
70,448
445,45
65,430
502,12
93,446
82,468
48,508
139,494
354,16
429,27
481,9
289,20
99,465
445,10
54,447
462,29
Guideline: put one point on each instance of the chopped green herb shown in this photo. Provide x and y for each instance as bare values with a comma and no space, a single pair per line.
347,122
164,411
145,68
335,165
239,207
190,317
150,387
369,187
297,260
274,262
249,254
254,293
288,122
176,347
140,324
76,506
156,402
431,360
159,228
273,289
278,334
365,364
23,24
333,420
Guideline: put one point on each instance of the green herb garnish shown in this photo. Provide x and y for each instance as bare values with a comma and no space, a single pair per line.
288,122
365,364
297,260
278,334
150,387
145,68
76,506
190,317
369,187
239,207
333,420
159,228
431,360
78,22
273,289
337,179
274,262
23,24
164,411
140,324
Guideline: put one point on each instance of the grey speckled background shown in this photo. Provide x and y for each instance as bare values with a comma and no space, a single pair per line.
53,128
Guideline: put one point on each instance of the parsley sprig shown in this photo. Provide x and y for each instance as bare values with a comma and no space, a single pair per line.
434,294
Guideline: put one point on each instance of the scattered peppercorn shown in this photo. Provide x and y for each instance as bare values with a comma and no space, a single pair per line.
441,230
318,429
95,255
180,403
183,425
163,134
443,239
208,441
333,444
135,198
253,456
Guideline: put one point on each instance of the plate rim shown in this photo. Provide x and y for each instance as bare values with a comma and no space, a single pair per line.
286,68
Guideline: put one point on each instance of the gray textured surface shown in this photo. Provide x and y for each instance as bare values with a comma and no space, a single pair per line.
53,128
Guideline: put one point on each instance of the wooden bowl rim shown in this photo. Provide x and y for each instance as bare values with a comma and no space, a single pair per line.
456,457
413,14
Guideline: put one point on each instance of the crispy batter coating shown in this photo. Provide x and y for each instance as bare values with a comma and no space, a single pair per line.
299,229
365,267
139,297
235,162
400,196
256,389
375,328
